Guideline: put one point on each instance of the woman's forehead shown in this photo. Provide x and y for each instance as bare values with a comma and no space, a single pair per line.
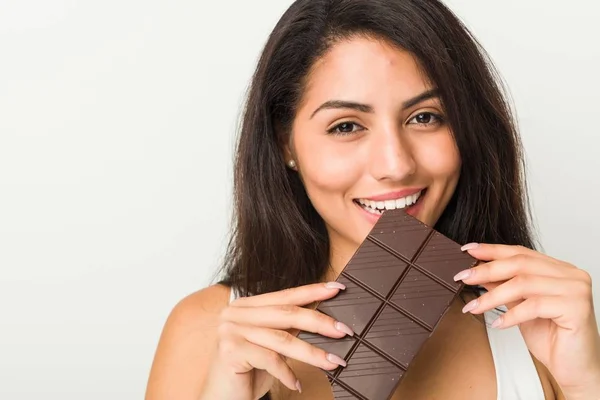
366,70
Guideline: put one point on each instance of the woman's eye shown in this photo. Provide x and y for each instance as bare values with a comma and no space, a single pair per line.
345,128
426,118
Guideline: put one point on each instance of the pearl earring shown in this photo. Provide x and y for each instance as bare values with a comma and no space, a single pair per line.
292,164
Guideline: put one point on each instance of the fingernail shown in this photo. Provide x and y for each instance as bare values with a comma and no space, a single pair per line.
463,275
470,306
335,285
298,386
336,360
469,246
343,328
497,322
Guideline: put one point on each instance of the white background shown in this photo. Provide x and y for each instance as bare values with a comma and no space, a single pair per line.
116,127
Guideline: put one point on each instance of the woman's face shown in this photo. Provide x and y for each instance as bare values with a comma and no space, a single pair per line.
370,134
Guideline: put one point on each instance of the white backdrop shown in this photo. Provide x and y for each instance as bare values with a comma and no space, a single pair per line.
116,123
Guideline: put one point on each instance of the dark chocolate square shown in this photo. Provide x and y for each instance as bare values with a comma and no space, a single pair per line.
370,374
442,257
379,271
401,233
340,393
397,335
353,306
422,297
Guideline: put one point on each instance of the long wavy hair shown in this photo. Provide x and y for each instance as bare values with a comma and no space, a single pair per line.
278,240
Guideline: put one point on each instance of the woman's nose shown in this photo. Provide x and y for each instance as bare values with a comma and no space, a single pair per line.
391,156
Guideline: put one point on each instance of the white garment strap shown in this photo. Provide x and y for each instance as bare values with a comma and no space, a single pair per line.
516,375
232,294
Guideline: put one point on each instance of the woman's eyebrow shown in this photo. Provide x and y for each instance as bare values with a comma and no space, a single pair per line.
366,108
427,95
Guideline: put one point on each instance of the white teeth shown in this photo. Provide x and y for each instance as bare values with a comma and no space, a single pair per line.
376,207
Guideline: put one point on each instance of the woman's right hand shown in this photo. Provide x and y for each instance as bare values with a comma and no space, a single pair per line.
256,333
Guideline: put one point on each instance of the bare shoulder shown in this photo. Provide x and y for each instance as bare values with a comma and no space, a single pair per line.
185,347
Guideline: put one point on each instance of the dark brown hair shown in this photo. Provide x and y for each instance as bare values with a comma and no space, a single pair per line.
278,239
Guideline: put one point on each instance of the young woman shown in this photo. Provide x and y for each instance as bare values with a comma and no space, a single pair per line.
355,103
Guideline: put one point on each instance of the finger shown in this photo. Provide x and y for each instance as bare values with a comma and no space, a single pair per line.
290,346
507,268
547,307
520,288
490,252
287,317
261,358
299,296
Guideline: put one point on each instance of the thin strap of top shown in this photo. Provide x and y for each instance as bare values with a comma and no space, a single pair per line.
516,375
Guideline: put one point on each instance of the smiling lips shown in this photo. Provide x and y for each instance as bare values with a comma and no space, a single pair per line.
378,206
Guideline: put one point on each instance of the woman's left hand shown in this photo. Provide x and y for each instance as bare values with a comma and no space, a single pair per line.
551,302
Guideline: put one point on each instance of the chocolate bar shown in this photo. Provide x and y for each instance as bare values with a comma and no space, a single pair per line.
399,285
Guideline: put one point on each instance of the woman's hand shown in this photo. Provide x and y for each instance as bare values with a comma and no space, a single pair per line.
255,334
551,302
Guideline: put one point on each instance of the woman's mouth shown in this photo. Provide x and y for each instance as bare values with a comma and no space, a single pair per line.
378,207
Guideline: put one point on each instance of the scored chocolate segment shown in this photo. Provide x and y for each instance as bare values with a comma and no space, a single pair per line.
354,306
370,374
376,269
399,285
422,297
443,258
340,394
397,335
401,232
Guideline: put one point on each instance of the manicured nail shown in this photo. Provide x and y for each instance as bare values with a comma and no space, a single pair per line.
498,322
335,285
469,246
343,328
463,275
298,386
336,360
470,306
